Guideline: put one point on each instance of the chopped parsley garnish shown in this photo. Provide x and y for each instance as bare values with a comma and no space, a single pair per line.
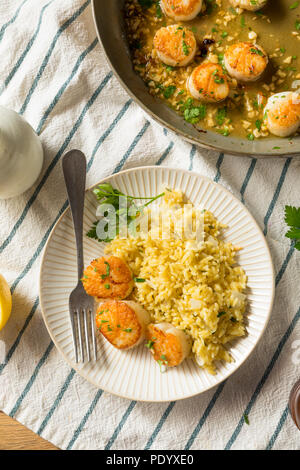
297,25
221,115
246,419
103,276
220,58
224,131
185,48
217,78
107,286
169,67
159,12
220,314
139,279
193,114
254,50
258,124
292,219
234,320
162,362
250,137
243,22
224,34
128,330
150,344
169,91
294,5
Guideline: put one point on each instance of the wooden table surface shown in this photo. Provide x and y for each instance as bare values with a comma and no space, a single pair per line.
14,436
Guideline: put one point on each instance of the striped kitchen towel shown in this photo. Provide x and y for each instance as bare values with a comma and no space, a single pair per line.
54,73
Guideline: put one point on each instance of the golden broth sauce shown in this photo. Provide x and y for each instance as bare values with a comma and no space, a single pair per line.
276,28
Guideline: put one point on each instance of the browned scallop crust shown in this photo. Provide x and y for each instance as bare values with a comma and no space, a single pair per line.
207,78
246,58
285,113
175,42
108,277
119,324
164,346
178,7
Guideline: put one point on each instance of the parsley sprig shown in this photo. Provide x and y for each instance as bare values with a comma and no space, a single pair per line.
120,216
193,114
292,219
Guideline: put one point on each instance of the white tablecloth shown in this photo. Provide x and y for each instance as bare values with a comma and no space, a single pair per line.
53,72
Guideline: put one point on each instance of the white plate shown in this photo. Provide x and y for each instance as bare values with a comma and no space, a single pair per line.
133,374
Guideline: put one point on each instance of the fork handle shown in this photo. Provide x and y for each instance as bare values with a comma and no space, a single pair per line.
74,170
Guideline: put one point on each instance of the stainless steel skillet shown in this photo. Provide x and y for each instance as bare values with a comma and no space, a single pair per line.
109,25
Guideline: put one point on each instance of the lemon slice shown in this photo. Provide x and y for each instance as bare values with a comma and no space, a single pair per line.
5,302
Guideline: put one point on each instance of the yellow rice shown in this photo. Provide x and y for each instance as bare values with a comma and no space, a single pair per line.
198,290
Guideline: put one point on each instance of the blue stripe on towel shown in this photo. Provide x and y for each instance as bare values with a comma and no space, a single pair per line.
12,20
49,52
26,50
54,161
263,380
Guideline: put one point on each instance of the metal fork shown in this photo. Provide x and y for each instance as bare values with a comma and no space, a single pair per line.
81,305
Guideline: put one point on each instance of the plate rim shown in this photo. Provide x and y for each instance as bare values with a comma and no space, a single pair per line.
267,251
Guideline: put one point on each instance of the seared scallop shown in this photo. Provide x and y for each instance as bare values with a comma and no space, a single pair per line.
181,10
245,61
208,83
122,323
252,5
169,345
108,277
175,45
282,113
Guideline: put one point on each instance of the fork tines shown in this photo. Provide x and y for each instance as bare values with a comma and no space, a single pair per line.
84,334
